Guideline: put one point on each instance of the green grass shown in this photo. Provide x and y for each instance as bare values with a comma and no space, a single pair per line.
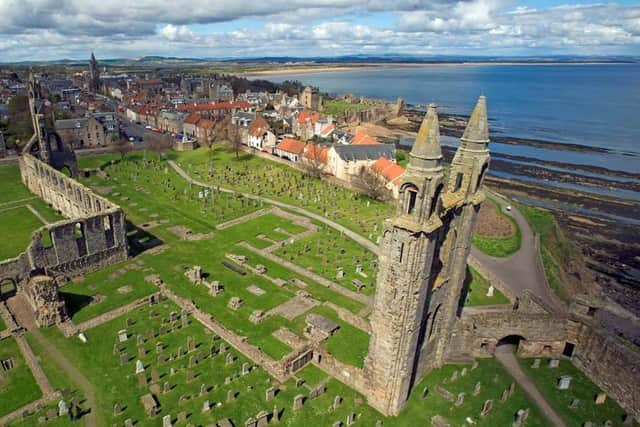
106,283
581,388
499,246
17,386
326,251
17,222
312,375
98,161
264,225
338,107
478,291
349,344
280,182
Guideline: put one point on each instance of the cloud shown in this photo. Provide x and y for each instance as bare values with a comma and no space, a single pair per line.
49,29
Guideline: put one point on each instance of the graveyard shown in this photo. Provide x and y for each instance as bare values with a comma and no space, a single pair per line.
216,277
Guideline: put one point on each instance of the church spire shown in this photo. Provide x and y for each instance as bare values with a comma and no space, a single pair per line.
477,129
426,152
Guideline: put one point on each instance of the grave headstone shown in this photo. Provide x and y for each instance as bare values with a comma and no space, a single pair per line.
536,363
182,417
124,358
166,388
276,415
351,418
270,394
203,389
142,379
206,407
477,388
463,372
166,421
487,406
521,417
189,375
297,402
425,392
564,382
337,401
245,368
251,422
262,419
231,396
460,399
454,376
600,398
63,409
554,363
117,409
122,335
139,366
128,422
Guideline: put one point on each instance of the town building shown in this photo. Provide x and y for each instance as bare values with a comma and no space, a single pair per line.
84,132
346,161
290,149
311,99
260,136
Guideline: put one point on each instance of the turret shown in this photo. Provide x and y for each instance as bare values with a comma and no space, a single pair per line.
422,181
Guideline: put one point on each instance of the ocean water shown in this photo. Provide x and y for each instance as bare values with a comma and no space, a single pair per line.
593,105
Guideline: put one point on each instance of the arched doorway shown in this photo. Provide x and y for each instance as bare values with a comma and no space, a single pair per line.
7,289
511,340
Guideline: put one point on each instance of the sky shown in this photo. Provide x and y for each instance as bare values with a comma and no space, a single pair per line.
71,29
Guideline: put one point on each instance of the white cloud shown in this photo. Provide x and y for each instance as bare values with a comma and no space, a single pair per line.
47,29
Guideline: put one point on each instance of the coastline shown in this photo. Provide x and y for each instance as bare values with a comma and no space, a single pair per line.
373,66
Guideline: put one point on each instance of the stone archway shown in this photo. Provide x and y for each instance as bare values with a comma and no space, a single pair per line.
513,340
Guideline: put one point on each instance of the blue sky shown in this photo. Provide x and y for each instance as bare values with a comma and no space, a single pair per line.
55,29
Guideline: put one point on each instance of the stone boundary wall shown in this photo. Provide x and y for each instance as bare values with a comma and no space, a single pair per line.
349,317
350,375
609,362
491,278
93,236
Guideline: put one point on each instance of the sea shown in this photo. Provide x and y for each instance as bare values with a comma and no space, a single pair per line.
596,106
591,105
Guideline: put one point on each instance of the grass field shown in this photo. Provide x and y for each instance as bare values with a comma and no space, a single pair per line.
338,107
499,246
581,388
478,291
17,222
17,386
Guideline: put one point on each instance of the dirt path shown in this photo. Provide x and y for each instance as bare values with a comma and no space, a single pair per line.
504,355
86,388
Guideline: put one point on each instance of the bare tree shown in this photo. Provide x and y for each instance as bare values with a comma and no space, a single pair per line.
312,163
157,142
234,138
372,183
121,146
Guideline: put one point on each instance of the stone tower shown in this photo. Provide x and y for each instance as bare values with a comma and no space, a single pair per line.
94,75
423,262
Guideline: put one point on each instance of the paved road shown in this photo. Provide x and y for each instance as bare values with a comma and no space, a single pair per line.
504,355
522,270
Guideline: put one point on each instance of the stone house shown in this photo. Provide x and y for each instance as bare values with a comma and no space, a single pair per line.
345,161
83,132
219,91
304,126
259,135
316,156
189,124
310,98
290,149
171,121
205,131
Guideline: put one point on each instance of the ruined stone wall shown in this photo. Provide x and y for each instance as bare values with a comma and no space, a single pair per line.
350,375
93,237
479,331
610,362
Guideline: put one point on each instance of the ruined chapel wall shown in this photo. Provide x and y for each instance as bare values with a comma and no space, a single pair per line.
610,363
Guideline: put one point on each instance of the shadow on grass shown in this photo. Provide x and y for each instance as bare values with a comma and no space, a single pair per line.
75,302
140,239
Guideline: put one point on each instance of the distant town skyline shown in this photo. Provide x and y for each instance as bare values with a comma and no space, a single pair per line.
57,29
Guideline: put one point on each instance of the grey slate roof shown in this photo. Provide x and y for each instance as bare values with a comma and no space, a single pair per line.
350,153
78,123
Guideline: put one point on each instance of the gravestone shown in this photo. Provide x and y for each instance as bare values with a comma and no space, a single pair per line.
554,363
139,340
276,415
139,366
460,399
166,421
447,395
512,388
206,407
454,376
223,347
245,368
262,419
231,396
117,409
299,382
564,382
477,388
505,395
172,372
270,394
155,376
425,392
166,388
122,335
63,409
142,379
600,398
251,422
463,372
608,423
128,422
159,347
229,359
535,364
182,417
142,352
521,417
192,362
486,407
490,291
297,402
351,418
189,375
474,365
124,358
191,344
203,389
337,401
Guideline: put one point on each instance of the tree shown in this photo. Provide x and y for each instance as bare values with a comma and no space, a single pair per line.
235,139
372,183
157,142
312,163
120,145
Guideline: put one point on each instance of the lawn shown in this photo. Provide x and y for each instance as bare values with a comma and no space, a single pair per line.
250,174
581,388
264,225
478,288
18,387
17,222
499,246
327,251
338,107
100,292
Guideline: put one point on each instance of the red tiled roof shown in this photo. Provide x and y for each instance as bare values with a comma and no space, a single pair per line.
389,170
361,138
291,146
311,115
213,106
326,131
192,119
258,127
150,82
316,152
